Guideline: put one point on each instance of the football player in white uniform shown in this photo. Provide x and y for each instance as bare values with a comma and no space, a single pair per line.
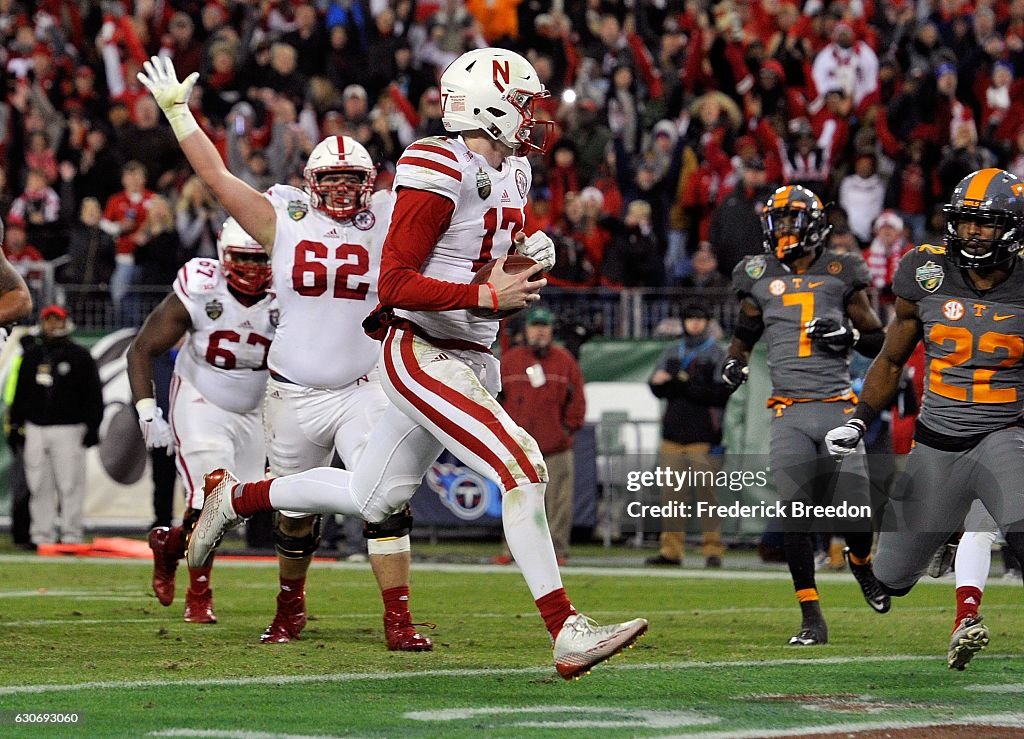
228,317
459,204
324,393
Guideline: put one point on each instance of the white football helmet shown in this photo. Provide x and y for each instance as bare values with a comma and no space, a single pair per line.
494,90
340,155
245,264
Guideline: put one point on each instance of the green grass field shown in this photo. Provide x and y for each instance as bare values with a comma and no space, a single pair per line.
88,636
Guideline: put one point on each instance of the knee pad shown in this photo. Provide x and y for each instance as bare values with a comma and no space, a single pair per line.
297,547
394,526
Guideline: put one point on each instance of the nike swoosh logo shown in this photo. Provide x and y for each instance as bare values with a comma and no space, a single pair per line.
813,285
998,317
848,411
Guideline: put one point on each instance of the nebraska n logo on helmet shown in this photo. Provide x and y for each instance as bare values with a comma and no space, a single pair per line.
243,261
793,224
340,176
493,90
985,219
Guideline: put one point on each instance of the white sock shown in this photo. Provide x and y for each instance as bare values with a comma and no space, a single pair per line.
528,538
973,558
319,490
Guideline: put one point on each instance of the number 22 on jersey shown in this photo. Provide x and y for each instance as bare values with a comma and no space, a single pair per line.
963,348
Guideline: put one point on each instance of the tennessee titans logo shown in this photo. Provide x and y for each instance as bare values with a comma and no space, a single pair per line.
465,493
364,220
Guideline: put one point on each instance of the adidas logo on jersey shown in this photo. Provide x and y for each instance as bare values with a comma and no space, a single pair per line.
441,357
332,234
246,324
504,197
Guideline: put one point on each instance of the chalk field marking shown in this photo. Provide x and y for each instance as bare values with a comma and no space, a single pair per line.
618,718
347,677
1009,720
1009,688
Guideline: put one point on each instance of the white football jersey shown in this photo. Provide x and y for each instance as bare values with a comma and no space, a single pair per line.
225,353
325,277
489,212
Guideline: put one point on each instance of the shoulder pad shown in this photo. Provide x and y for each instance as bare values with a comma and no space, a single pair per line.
931,249
197,277
282,195
433,165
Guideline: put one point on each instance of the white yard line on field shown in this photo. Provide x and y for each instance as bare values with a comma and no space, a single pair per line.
347,677
1009,720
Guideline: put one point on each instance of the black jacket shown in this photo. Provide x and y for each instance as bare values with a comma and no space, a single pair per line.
58,384
695,394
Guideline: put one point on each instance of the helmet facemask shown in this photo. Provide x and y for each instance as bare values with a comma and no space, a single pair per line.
341,192
793,231
969,250
524,101
247,270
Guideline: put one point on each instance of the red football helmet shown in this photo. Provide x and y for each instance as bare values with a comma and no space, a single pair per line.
244,262
340,176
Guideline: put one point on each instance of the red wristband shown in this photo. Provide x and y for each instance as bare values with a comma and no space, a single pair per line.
494,296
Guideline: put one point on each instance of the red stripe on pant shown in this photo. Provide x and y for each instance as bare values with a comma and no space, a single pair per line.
190,497
474,445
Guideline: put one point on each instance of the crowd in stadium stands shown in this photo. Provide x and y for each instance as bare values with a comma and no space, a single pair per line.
676,119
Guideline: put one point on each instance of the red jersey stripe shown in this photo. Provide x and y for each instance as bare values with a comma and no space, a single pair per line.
435,149
431,165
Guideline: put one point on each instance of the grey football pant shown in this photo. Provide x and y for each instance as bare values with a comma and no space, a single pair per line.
934,495
803,470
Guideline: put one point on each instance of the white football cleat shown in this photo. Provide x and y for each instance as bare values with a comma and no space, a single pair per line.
217,516
969,638
581,643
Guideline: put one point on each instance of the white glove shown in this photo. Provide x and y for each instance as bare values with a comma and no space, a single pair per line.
540,248
172,96
155,430
843,440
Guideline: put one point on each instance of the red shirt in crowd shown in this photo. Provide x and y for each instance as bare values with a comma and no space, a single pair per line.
554,410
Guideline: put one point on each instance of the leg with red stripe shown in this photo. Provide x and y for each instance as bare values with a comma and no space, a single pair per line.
446,397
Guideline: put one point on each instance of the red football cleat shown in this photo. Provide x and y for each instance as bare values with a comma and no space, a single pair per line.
288,623
164,565
199,607
401,635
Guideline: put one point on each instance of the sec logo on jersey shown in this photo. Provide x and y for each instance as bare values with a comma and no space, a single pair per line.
777,287
953,310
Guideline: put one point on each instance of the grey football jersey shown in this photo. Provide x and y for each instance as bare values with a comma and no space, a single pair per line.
788,301
974,378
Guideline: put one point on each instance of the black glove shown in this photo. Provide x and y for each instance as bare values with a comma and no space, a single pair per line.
734,372
91,438
831,336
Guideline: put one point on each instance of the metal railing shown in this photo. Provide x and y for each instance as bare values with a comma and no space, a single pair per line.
614,313
635,313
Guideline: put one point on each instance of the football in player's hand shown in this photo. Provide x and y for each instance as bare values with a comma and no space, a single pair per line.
514,264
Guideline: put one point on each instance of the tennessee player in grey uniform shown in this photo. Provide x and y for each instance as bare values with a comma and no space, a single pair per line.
812,309
966,301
